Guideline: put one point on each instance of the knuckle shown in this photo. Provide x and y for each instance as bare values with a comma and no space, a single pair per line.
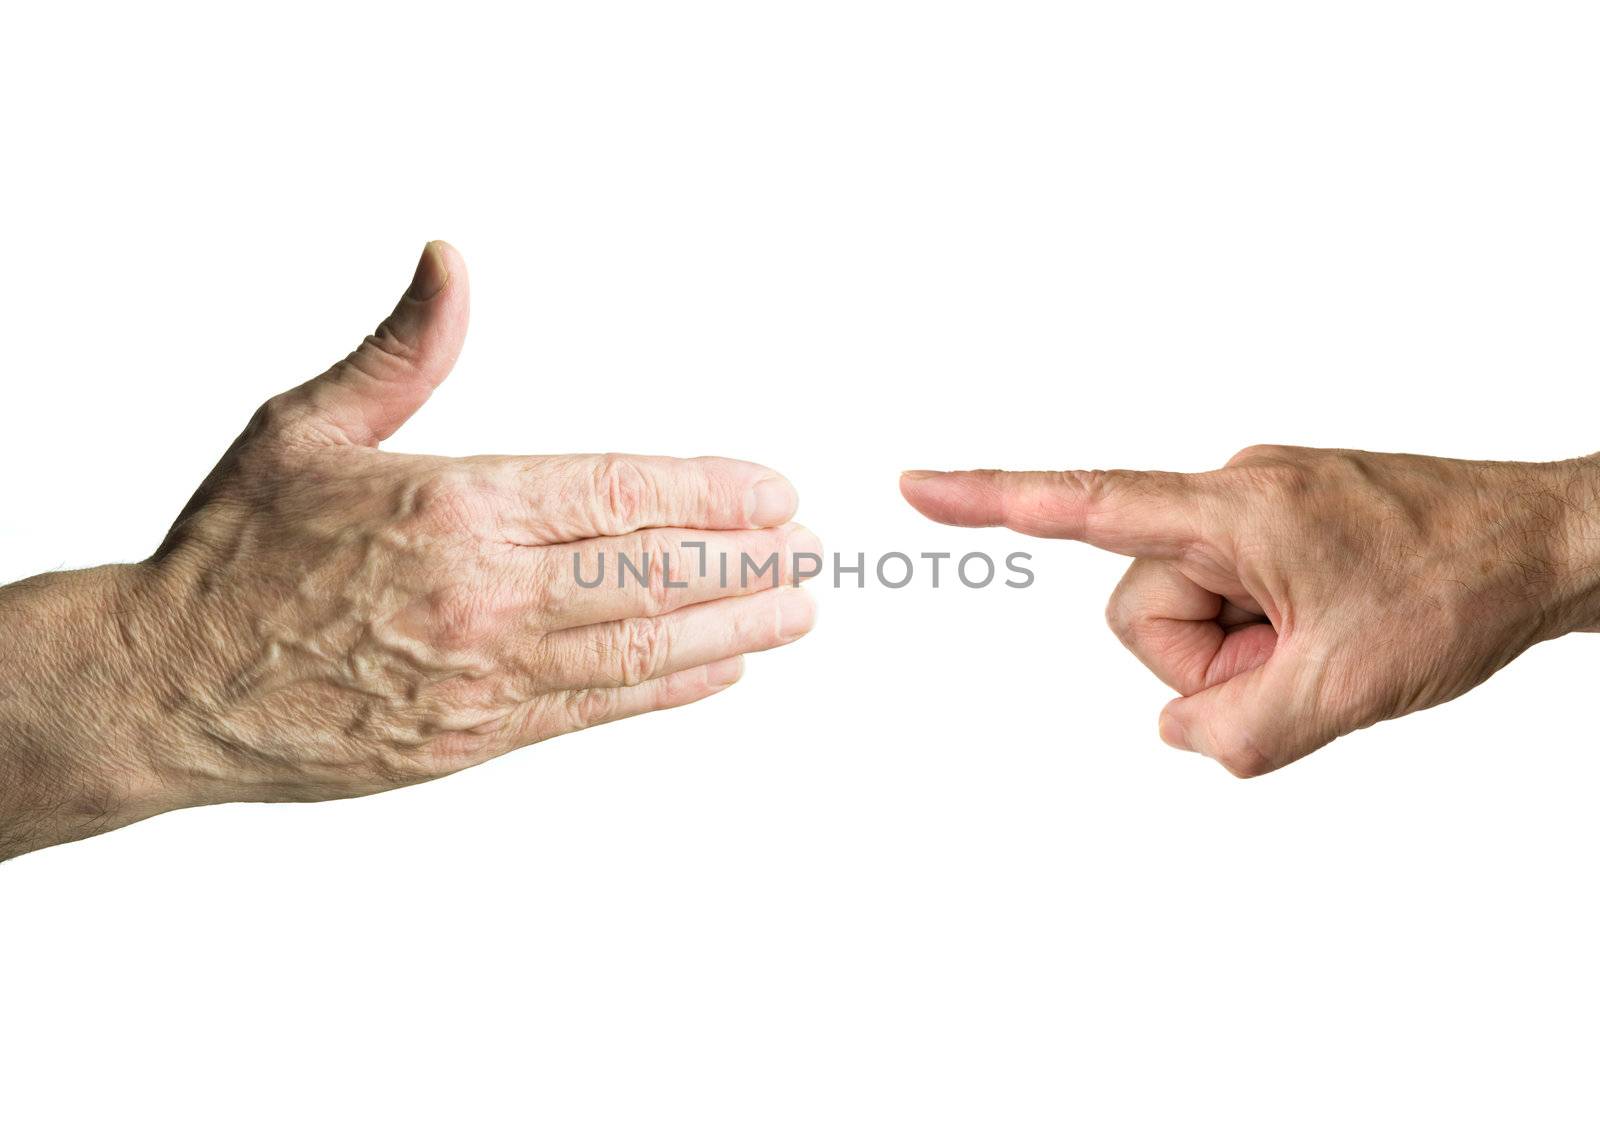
1092,485
1282,481
1253,453
651,549
279,420
1106,487
623,491
466,726
383,345
276,444
586,708
642,651
675,690
1243,760
1120,615
1249,755
276,415
448,500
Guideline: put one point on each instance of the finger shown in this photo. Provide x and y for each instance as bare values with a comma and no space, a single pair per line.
1190,637
1168,622
367,396
564,711
1253,723
629,652
568,498
1139,513
651,572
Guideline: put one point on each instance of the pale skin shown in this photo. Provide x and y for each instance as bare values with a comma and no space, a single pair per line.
1299,594
327,619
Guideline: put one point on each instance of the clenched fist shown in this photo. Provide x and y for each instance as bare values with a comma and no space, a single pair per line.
1298,594
326,619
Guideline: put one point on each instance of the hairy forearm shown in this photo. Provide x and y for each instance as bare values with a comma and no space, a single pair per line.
75,726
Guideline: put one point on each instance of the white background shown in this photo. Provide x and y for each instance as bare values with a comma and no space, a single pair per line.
931,867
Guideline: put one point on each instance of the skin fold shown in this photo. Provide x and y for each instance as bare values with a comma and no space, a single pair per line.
326,619
1299,594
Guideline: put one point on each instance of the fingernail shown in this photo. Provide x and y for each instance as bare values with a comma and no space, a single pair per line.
802,541
1172,733
724,672
797,612
431,274
771,501
919,474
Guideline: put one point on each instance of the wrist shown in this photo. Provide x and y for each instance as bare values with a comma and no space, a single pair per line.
1575,559
80,730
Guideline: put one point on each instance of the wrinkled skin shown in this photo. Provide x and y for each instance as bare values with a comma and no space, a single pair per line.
365,621
1299,594
326,619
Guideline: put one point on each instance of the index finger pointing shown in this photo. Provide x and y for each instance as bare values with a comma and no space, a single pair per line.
1139,513
570,498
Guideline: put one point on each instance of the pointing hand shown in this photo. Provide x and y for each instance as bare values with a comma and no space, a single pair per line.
1299,594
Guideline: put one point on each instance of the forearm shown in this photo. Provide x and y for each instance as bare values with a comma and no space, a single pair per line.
76,726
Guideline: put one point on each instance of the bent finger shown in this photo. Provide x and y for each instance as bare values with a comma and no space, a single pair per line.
1168,622
1190,637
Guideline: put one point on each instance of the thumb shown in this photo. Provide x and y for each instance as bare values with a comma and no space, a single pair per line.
366,397
1253,723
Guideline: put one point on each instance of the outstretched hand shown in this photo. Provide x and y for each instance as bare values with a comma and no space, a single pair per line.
362,619
326,619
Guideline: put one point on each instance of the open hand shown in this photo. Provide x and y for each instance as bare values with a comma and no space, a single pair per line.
327,619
